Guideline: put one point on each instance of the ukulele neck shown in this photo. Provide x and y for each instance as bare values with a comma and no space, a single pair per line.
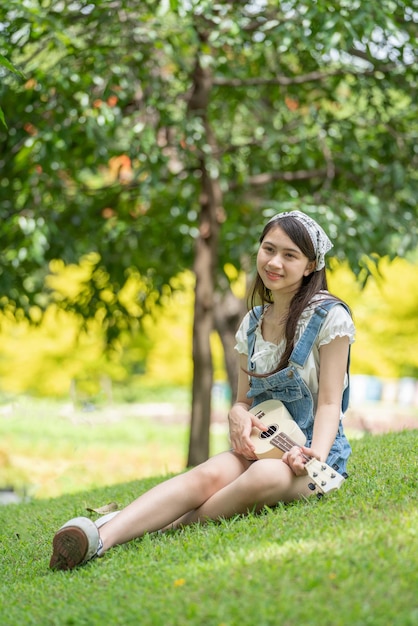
285,443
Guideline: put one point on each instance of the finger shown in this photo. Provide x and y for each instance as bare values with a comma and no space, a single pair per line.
309,452
249,451
285,458
245,450
258,423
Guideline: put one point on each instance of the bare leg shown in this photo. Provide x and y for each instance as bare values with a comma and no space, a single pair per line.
165,503
223,486
267,481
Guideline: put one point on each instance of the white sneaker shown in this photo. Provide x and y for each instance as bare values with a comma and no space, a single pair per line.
75,543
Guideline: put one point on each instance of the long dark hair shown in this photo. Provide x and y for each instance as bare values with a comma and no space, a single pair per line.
311,285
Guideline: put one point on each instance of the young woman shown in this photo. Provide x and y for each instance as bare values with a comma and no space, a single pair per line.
294,347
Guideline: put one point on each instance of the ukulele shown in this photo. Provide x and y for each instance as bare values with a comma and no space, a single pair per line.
281,435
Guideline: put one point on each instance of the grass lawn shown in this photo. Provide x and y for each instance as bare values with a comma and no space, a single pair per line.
47,448
350,559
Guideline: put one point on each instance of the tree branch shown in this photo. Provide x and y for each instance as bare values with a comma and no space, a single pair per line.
285,81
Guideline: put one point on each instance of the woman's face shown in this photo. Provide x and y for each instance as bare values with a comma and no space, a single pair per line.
281,264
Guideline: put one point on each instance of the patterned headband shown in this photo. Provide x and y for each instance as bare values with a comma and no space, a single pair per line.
319,238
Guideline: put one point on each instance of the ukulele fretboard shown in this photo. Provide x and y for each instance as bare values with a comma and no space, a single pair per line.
283,442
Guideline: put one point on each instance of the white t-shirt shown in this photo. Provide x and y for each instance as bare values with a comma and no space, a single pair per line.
266,357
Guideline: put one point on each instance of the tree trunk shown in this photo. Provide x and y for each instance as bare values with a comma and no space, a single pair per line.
202,356
206,257
229,311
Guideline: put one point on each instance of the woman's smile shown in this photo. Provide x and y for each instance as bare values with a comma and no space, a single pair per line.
273,275
280,262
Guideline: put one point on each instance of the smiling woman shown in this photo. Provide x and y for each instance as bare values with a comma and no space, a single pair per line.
281,266
290,264
305,368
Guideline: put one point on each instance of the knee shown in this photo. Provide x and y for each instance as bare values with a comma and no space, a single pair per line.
206,477
266,476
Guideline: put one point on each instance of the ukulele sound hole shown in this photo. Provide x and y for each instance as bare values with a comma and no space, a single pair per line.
272,430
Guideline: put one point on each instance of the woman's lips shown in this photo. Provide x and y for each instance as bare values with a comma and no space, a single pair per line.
273,275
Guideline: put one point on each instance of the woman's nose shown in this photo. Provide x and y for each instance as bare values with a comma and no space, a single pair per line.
276,261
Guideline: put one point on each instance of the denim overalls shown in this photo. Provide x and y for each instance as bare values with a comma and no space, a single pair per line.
288,386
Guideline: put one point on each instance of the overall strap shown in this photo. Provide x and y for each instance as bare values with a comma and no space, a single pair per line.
305,344
255,315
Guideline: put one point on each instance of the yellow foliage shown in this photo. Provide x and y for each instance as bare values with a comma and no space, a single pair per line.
237,279
169,359
385,314
44,358
128,294
47,357
68,280
219,373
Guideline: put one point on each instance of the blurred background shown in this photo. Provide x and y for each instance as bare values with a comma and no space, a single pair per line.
142,148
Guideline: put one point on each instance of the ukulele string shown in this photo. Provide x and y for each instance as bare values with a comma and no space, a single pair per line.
288,443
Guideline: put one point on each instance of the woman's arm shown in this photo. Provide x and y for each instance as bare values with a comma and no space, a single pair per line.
241,421
332,368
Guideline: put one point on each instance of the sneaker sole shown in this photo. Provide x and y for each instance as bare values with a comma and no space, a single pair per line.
69,546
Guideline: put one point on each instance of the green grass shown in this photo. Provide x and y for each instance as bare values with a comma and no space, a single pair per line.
47,448
350,559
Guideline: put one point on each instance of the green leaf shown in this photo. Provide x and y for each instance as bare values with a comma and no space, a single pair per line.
5,63
2,120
